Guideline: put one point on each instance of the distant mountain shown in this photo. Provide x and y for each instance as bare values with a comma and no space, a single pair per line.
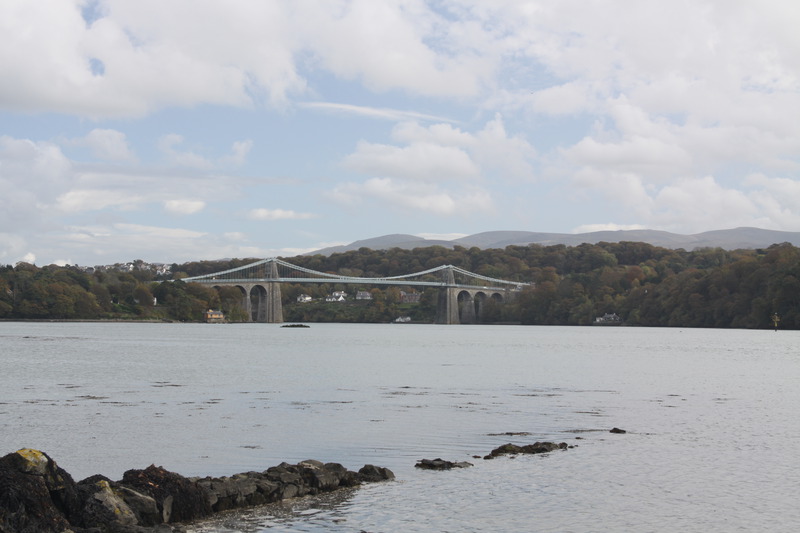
729,239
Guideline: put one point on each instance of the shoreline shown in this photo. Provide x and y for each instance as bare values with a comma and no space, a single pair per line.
38,495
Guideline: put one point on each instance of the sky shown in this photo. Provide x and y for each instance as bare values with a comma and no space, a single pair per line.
187,130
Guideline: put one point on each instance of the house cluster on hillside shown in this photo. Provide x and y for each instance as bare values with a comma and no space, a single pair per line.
159,269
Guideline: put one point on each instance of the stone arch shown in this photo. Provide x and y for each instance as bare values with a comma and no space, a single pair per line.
480,298
466,308
257,298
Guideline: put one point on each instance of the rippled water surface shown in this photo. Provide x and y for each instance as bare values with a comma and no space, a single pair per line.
713,419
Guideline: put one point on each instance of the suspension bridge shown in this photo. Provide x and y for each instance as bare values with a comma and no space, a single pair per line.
462,294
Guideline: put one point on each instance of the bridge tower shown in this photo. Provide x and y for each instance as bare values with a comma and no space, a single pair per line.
267,295
447,307
274,308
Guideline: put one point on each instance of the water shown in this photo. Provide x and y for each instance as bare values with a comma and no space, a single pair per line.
712,445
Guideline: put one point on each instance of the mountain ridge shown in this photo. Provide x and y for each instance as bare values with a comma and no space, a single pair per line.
729,239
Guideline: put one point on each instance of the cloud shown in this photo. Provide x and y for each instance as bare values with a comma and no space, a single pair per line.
184,206
381,113
387,46
79,200
610,226
277,214
181,158
418,161
126,62
171,145
238,154
704,202
106,144
412,196
441,152
32,176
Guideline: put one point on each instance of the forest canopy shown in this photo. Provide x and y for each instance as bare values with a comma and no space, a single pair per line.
643,284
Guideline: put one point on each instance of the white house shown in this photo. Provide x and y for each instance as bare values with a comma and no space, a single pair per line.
337,296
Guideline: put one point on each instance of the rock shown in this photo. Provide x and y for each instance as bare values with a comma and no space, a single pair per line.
440,464
240,490
36,496
617,430
537,447
102,506
107,502
178,498
143,506
371,473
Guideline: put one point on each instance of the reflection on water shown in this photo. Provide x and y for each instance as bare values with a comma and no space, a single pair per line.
712,437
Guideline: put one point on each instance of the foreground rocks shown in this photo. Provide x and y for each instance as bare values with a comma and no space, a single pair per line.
37,496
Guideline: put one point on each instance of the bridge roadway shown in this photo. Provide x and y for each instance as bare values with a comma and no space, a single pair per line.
458,303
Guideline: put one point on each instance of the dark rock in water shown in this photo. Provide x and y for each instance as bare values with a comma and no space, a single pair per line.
537,447
372,473
440,464
617,430
36,496
178,498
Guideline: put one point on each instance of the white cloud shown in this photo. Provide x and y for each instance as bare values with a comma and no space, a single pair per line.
413,176
394,46
181,158
128,62
565,99
418,161
277,214
109,145
12,248
440,134
382,113
79,200
502,155
414,196
704,203
610,226
238,154
32,176
235,236
442,152
184,206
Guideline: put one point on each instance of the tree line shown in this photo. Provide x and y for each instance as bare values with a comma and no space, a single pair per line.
645,285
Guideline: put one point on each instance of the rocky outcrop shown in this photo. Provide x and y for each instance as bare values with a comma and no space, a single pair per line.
37,496
537,447
440,464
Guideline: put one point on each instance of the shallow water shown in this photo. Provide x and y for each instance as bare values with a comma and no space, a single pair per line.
712,444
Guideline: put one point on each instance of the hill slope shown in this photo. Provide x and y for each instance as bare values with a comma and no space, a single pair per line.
729,239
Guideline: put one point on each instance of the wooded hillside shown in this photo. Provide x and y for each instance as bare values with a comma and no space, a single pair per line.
643,284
